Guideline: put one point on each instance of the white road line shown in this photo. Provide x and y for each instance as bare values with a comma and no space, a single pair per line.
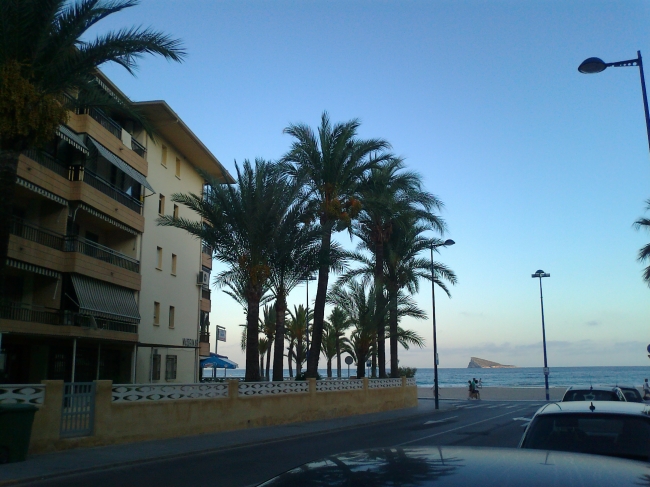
512,406
457,428
474,407
440,420
495,406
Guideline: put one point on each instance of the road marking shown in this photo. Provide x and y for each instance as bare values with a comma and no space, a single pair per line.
440,420
474,407
495,406
512,406
526,421
457,428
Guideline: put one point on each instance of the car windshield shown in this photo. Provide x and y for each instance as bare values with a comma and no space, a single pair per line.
632,395
590,395
615,435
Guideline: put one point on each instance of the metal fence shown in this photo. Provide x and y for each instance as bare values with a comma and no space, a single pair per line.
78,411
34,233
111,191
105,254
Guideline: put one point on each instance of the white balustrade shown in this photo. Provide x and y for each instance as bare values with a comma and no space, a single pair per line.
167,392
411,381
22,394
271,388
339,385
384,383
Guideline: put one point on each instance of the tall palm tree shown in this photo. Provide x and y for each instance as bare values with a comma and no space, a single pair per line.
388,192
405,269
296,334
328,347
239,222
45,53
330,166
644,252
267,328
339,322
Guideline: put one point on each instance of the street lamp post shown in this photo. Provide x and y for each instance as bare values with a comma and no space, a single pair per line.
540,273
597,65
446,243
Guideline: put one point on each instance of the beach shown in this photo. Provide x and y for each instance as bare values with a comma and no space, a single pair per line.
496,393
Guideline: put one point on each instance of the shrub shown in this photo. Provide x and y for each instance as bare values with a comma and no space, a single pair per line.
407,372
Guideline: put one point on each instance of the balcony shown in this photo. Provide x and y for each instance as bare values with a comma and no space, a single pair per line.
204,337
97,251
111,191
48,316
48,161
28,231
138,148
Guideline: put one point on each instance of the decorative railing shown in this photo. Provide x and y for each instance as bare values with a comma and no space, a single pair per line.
27,312
204,337
109,190
339,385
47,161
411,381
71,318
34,233
167,392
138,148
105,254
22,394
105,121
271,388
384,383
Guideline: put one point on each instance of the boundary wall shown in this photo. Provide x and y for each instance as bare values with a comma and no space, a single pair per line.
132,412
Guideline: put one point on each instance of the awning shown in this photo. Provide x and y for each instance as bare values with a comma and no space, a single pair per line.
24,266
121,165
43,192
72,138
218,362
105,300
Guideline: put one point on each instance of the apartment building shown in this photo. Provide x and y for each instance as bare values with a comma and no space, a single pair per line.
95,289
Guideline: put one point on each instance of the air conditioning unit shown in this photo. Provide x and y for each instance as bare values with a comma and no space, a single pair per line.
203,279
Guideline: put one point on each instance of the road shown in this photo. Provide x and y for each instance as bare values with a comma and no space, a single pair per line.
499,423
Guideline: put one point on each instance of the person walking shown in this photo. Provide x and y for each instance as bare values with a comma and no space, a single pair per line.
646,390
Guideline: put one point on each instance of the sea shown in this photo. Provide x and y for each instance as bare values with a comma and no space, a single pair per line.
519,377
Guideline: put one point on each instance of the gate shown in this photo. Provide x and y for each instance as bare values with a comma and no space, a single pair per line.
78,411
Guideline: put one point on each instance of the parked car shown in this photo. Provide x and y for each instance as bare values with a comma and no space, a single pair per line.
464,466
618,429
593,393
631,393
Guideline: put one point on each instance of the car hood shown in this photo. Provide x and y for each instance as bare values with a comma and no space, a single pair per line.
454,466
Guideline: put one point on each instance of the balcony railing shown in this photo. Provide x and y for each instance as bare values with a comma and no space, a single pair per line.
47,161
34,233
205,294
109,190
84,321
105,121
27,312
99,252
207,250
204,337
138,148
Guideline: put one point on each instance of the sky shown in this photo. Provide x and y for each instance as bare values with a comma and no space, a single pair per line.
539,166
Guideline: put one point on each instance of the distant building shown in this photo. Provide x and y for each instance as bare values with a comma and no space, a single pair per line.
95,289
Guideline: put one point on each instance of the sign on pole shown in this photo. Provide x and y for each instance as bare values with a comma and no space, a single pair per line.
221,334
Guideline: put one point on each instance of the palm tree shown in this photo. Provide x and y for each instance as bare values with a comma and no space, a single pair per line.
360,308
239,222
328,347
267,328
330,166
339,322
296,333
644,252
45,54
405,269
388,192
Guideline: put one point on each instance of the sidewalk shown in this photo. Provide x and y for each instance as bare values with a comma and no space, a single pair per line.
39,467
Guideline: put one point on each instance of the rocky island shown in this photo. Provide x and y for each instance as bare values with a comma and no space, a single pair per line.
479,363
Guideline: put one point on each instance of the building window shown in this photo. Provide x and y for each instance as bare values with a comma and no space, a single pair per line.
161,205
178,168
171,316
159,263
156,313
155,367
170,367
175,211
173,264
164,156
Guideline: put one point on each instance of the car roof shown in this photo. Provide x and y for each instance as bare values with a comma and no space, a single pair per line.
606,407
452,466
592,388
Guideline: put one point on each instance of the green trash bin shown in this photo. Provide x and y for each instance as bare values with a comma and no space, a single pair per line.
15,430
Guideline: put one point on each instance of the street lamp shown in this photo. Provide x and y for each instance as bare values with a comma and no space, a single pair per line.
597,65
540,273
446,243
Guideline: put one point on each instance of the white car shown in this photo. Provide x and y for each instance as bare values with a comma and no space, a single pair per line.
593,393
618,429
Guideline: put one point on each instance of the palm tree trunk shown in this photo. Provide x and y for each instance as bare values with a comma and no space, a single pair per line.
298,357
329,367
338,357
268,359
380,305
8,168
393,334
278,356
361,368
319,304
252,338
290,360
261,363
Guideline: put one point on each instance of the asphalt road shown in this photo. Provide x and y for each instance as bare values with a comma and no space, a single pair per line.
469,424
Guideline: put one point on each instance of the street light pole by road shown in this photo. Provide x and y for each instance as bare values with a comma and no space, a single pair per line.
446,243
594,65
540,273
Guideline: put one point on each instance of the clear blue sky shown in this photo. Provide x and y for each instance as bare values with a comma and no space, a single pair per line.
540,167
